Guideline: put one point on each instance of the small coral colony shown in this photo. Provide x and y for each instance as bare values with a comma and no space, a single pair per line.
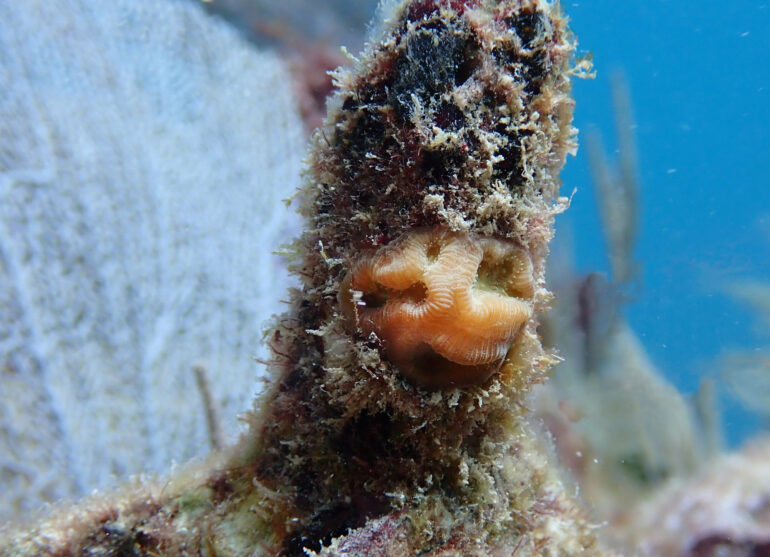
446,306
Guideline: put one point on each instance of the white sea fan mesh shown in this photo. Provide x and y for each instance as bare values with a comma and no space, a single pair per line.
144,153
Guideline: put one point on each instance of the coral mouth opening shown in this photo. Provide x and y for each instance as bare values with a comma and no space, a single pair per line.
432,371
496,276
503,274
433,251
375,299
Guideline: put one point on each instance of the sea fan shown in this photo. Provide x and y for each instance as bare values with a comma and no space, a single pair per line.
145,149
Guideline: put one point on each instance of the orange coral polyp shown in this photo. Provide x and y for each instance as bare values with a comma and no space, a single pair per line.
446,305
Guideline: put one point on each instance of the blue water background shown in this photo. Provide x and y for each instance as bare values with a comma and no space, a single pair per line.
699,78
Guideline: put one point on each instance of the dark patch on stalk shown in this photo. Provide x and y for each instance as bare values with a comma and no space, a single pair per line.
436,58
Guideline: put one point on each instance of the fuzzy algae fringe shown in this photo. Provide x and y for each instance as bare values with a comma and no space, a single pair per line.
396,422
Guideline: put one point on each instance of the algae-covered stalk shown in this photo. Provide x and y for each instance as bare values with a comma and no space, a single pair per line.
431,198
396,422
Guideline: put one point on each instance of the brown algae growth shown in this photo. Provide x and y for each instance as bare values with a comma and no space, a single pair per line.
396,421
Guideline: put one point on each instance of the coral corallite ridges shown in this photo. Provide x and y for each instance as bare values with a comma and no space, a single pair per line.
446,305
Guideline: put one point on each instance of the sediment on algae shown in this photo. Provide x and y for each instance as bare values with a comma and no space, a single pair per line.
456,121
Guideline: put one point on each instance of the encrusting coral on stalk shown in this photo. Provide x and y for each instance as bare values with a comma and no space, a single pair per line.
445,306
396,423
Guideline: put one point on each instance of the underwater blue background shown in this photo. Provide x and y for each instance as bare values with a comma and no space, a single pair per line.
699,79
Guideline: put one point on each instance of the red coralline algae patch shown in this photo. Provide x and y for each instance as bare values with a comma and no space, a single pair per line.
310,66
421,10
